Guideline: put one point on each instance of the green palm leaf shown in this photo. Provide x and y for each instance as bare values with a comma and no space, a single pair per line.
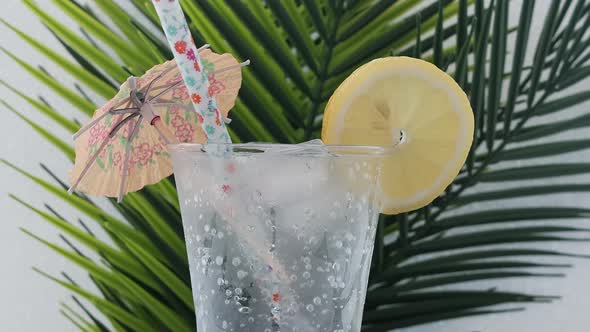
301,51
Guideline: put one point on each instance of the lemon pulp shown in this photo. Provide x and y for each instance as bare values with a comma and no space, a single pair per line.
414,105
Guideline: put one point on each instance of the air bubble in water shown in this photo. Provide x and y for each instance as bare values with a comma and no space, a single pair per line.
275,310
306,275
236,261
224,325
306,260
244,310
218,260
251,228
238,291
309,307
338,244
207,228
242,274
228,292
317,300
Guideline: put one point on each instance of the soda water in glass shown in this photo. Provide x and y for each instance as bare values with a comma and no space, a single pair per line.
279,237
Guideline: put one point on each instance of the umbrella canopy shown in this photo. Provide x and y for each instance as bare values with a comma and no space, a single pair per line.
123,147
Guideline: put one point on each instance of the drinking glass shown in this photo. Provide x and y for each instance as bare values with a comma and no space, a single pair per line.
279,237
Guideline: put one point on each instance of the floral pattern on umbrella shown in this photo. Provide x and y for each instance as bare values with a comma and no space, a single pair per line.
148,161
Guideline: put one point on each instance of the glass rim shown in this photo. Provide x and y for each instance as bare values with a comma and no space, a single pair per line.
358,150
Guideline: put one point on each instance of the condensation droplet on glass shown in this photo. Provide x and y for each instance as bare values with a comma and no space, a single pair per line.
238,291
205,260
349,236
228,292
309,307
317,300
242,274
236,261
306,260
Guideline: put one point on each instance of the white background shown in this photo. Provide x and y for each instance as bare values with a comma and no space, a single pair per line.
29,302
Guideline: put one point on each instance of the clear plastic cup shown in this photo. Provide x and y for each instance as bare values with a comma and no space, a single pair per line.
279,237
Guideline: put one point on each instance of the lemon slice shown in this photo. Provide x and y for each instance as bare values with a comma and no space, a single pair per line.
412,104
